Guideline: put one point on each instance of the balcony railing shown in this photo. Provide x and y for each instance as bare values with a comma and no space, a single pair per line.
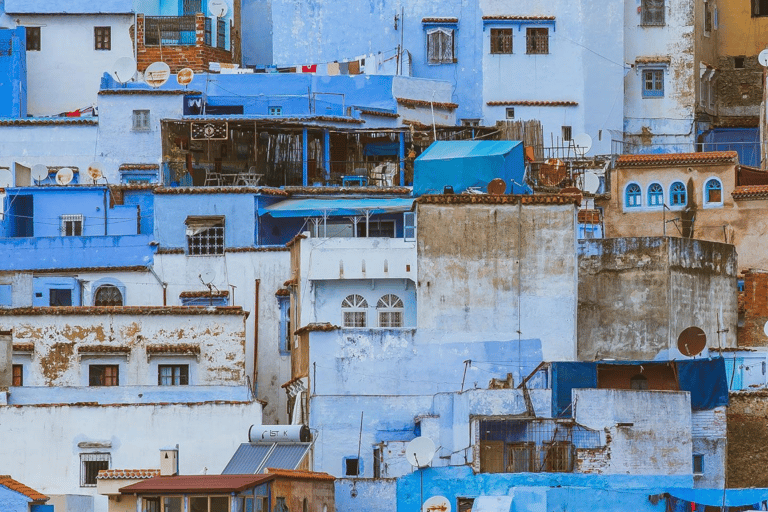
170,30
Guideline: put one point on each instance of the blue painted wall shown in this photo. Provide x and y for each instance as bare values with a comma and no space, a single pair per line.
144,201
745,141
12,501
13,72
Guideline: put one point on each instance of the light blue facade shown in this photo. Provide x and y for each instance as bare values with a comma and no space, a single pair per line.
12,501
13,72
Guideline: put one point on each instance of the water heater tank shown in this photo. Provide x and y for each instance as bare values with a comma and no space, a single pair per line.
279,434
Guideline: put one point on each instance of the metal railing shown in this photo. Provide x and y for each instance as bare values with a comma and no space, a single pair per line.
749,152
170,30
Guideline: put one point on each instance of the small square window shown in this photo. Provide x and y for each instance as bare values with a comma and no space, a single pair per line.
653,83
510,112
102,38
275,111
759,8
33,39
18,375
173,375
103,375
71,225
652,12
501,40
90,465
351,466
470,122
537,41
141,120
698,464
567,132
205,235
738,62
60,297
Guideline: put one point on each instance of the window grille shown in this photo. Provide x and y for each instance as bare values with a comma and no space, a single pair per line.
677,194
537,40
221,33
633,195
170,30
276,111
501,40
707,18
655,195
652,12
354,309
653,83
192,6
108,295
759,8
205,236
71,225
90,465
208,32
33,39
141,120
567,132
440,46
390,310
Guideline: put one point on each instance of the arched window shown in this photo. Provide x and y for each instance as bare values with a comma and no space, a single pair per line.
638,382
390,310
713,191
678,194
655,195
108,295
354,311
633,195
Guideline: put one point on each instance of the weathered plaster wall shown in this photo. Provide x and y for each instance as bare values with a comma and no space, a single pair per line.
319,494
636,295
747,435
658,440
497,269
374,495
709,440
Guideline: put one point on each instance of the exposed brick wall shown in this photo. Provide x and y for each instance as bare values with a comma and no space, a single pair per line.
178,57
747,438
754,301
739,91
595,461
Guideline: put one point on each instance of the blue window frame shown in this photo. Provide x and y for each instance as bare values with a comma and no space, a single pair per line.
633,195
713,191
655,195
653,83
284,328
678,194
276,111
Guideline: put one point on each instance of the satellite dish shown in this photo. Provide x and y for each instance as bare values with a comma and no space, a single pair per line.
64,176
95,171
419,452
157,74
185,76
124,69
6,178
590,182
582,143
762,58
217,8
691,341
765,328
39,172
497,187
207,276
436,504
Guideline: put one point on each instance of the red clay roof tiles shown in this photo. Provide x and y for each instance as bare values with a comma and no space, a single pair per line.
137,474
533,103
10,483
713,157
751,192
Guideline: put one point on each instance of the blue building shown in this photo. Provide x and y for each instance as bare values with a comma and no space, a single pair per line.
13,70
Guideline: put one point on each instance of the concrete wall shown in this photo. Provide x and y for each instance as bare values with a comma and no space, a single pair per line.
636,295
497,269
709,441
658,441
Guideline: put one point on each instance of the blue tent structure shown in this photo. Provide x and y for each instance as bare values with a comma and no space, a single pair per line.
470,163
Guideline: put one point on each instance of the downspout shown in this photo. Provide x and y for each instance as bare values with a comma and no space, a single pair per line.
105,210
163,284
256,333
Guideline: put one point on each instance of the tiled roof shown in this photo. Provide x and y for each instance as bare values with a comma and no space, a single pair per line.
153,92
23,347
181,348
10,483
273,120
357,191
589,216
123,310
424,103
38,121
654,59
205,293
271,248
221,190
533,103
713,157
282,292
750,192
300,474
319,327
378,113
134,268
196,484
501,199
521,18
136,404
440,20
105,349
136,474
421,126
169,250
138,167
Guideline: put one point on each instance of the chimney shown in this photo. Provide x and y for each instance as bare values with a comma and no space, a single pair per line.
169,461
6,359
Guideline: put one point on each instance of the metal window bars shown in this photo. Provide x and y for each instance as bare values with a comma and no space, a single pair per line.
90,465
108,295
537,41
501,40
221,33
207,241
652,12
171,30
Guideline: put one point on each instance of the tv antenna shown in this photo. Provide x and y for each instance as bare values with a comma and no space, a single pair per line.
762,58
588,182
206,277
581,143
64,176
157,74
39,173
123,70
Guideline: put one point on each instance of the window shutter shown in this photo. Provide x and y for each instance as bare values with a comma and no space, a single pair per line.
433,44
447,46
409,226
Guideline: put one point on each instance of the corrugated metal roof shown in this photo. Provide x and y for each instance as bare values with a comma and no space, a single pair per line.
252,458
447,150
196,483
336,207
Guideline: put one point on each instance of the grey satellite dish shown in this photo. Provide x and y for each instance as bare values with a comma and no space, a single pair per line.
39,172
157,74
95,171
124,69
6,178
589,182
64,176
217,8
582,143
762,58
185,76
436,504
419,452
207,276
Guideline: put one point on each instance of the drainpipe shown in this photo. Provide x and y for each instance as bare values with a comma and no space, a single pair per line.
105,211
162,283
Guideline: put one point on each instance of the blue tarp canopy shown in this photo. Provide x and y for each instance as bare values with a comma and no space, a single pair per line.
336,207
470,163
703,378
714,497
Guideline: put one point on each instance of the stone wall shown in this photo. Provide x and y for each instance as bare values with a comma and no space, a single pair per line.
739,91
747,437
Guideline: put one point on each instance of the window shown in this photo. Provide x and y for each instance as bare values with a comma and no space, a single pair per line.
464,504
655,195
71,225
713,192
102,38
638,382
377,229
390,310
209,504
759,8
653,83
652,12
510,112
559,457
678,194
60,297
151,505
103,375
501,40
172,375
17,375
284,304
738,62
409,227
205,235
520,457
707,17
698,464
209,299
537,40
33,39
169,504
440,46
141,120
567,132
275,111
470,122
90,465
280,505
351,466
354,311
632,196
108,295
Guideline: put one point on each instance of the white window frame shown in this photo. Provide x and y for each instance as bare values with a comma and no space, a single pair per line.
390,305
353,305
141,120
92,457
68,224
437,47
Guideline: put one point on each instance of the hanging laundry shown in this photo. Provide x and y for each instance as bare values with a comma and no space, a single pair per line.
354,68
309,69
333,68
344,68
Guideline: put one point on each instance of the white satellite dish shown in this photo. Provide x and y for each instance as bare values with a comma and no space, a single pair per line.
436,504
419,452
95,171
6,178
157,74
762,58
39,172
765,328
124,69
185,76
207,276
64,176
590,182
217,8
582,143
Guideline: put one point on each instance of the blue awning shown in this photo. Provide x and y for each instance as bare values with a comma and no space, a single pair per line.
336,207
714,497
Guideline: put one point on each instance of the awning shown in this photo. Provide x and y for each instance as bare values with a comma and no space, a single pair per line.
714,497
492,504
336,207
